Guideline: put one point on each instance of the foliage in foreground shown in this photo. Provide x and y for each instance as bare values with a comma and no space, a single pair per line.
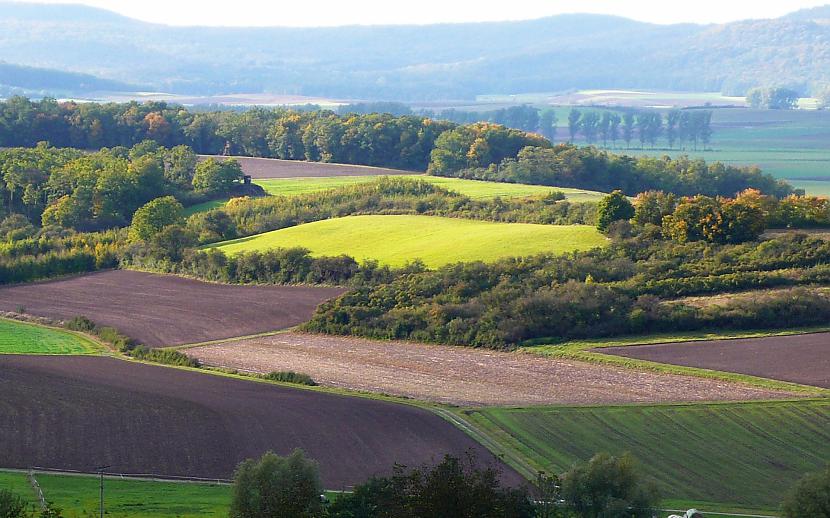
453,488
810,496
277,487
609,487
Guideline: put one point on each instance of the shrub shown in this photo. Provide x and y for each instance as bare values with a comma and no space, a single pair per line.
165,356
81,323
290,377
11,505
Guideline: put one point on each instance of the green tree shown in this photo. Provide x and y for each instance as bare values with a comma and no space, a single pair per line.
215,176
277,487
180,166
652,206
547,124
609,487
613,207
573,123
151,218
628,122
810,497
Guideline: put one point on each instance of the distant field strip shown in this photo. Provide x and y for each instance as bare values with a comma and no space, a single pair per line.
473,188
24,338
744,453
396,240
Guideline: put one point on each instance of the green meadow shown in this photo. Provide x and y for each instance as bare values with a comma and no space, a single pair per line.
396,240
24,338
742,455
78,496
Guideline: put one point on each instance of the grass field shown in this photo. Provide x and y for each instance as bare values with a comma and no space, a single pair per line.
396,240
744,454
202,207
473,188
78,496
24,338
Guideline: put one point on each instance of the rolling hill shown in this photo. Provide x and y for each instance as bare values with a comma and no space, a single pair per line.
423,62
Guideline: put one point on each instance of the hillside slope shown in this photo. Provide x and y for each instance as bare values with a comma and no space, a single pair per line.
421,62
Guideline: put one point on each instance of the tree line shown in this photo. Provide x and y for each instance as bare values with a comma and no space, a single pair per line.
682,128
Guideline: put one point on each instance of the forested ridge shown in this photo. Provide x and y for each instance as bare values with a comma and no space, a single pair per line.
441,61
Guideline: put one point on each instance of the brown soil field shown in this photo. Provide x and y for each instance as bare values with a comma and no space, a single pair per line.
462,375
76,413
260,168
168,310
801,359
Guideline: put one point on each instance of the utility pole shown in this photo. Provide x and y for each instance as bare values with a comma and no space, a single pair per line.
100,471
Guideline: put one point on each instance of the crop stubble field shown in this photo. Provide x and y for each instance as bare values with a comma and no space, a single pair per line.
462,375
168,310
801,359
79,412
396,240
276,168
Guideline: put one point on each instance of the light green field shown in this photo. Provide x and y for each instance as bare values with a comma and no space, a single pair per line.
24,338
744,455
472,188
77,496
396,240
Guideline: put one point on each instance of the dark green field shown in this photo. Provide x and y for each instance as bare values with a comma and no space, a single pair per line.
790,144
741,455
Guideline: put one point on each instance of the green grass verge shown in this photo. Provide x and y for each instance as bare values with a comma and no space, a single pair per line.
396,240
580,350
26,338
77,496
741,454
472,188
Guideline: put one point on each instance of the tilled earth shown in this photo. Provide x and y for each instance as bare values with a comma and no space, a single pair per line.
462,375
161,310
259,168
798,358
76,413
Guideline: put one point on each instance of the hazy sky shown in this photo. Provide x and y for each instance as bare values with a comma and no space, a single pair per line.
343,12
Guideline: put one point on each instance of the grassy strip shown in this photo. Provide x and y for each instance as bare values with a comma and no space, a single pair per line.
743,454
581,350
19,337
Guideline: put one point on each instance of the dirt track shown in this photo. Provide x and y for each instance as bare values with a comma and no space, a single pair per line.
82,412
260,168
461,375
167,310
798,358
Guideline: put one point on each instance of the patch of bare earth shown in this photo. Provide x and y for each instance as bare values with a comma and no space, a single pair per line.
167,310
462,375
260,168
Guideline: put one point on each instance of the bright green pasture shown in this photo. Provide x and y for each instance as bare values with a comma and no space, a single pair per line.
396,240
744,454
474,189
24,338
78,496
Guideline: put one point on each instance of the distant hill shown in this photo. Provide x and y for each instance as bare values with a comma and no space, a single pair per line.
423,62
30,79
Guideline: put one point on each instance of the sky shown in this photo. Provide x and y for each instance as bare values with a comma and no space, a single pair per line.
369,12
